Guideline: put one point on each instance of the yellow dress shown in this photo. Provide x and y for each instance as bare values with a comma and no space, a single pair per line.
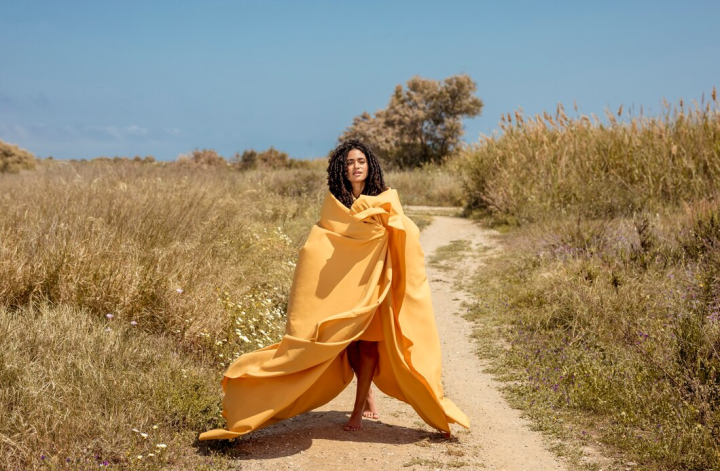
360,275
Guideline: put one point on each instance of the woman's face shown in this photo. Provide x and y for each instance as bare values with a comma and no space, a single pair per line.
357,166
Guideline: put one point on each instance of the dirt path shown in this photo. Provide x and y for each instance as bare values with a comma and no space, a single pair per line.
498,438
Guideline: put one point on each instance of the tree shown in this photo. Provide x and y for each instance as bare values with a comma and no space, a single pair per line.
421,124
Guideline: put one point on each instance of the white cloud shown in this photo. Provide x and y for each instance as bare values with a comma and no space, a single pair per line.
135,129
14,131
42,132
119,133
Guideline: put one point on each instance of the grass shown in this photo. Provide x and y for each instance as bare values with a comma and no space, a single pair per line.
445,256
421,220
431,185
73,388
127,290
560,165
423,462
152,246
607,296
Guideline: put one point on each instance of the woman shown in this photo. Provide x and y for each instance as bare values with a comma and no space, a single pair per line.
360,302
354,170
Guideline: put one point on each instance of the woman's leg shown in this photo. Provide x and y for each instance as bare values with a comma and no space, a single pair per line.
353,353
368,358
369,410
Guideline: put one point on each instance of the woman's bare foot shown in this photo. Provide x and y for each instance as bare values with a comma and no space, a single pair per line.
366,368
355,423
370,410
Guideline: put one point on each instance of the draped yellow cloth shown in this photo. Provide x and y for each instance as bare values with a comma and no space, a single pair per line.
356,263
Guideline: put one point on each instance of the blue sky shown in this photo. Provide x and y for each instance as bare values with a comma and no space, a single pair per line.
85,79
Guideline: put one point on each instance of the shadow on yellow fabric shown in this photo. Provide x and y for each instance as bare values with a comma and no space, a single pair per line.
356,261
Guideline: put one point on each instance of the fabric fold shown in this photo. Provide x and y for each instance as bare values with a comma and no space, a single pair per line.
356,261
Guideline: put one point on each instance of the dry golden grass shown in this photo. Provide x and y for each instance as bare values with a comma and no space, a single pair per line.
127,288
74,386
610,295
13,159
560,165
125,239
178,263
431,185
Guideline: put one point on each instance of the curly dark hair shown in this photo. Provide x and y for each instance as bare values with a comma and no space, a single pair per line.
338,183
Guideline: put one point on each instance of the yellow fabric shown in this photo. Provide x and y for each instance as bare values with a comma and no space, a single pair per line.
374,332
355,262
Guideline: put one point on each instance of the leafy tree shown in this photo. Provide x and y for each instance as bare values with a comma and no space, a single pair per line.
422,123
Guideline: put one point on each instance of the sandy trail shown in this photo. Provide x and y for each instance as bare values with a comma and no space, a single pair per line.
498,439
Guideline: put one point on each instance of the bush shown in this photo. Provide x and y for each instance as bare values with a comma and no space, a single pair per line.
206,158
266,160
13,158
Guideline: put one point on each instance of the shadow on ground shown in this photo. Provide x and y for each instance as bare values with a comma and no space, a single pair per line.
294,435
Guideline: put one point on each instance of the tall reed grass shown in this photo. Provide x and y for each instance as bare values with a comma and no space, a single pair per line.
609,294
560,164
